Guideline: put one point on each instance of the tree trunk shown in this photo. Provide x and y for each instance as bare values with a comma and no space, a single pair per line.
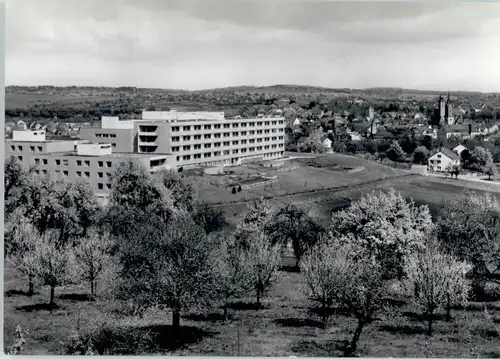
258,298
448,308
477,285
429,324
30,285
354,342
92,288
52,295
323,315
225,311
176,319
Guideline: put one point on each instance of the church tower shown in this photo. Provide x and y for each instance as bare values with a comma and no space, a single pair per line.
449,111
442,110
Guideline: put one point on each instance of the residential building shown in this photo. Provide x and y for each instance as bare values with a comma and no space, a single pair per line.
327,143
21,125
459,149
72,160
442,159
195,138
355,136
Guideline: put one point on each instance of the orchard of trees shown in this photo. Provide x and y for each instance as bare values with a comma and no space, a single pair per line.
158,245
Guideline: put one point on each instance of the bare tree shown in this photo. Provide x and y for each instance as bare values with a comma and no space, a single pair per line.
387,225
22,247
234,270
53,264
265,259
440,281
469,229
320,277
172,266
92,254
259,213
293,224
359,284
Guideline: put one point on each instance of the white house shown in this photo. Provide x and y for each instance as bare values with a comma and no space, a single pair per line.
355,136
327,144
442,159
430,132
21,125
459,149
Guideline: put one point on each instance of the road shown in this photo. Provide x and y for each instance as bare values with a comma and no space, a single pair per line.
468,178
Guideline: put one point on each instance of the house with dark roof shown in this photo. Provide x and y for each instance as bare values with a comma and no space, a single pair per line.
442,159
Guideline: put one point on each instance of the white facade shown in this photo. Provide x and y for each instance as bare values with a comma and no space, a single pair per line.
431,133
440,162
174,115
114,123
327,144
354,136
93,149
28,136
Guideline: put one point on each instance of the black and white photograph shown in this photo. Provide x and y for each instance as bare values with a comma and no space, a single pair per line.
251,178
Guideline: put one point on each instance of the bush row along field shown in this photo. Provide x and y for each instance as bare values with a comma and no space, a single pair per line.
284,327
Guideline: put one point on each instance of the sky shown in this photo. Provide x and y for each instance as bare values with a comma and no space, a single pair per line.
200,44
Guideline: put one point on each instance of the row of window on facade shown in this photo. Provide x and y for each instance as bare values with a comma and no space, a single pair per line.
227,143
226,134
225,125
38,148
217,135
32,148
225,152
105,135
65,162
58,174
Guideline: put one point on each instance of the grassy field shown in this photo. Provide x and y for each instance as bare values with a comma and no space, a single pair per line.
311,175
285,326
328,187
24,100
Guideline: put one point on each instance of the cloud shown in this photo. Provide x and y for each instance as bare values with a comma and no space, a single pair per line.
207,43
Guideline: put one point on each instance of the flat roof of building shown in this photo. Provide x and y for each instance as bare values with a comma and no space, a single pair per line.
50,141
139,120
115,154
